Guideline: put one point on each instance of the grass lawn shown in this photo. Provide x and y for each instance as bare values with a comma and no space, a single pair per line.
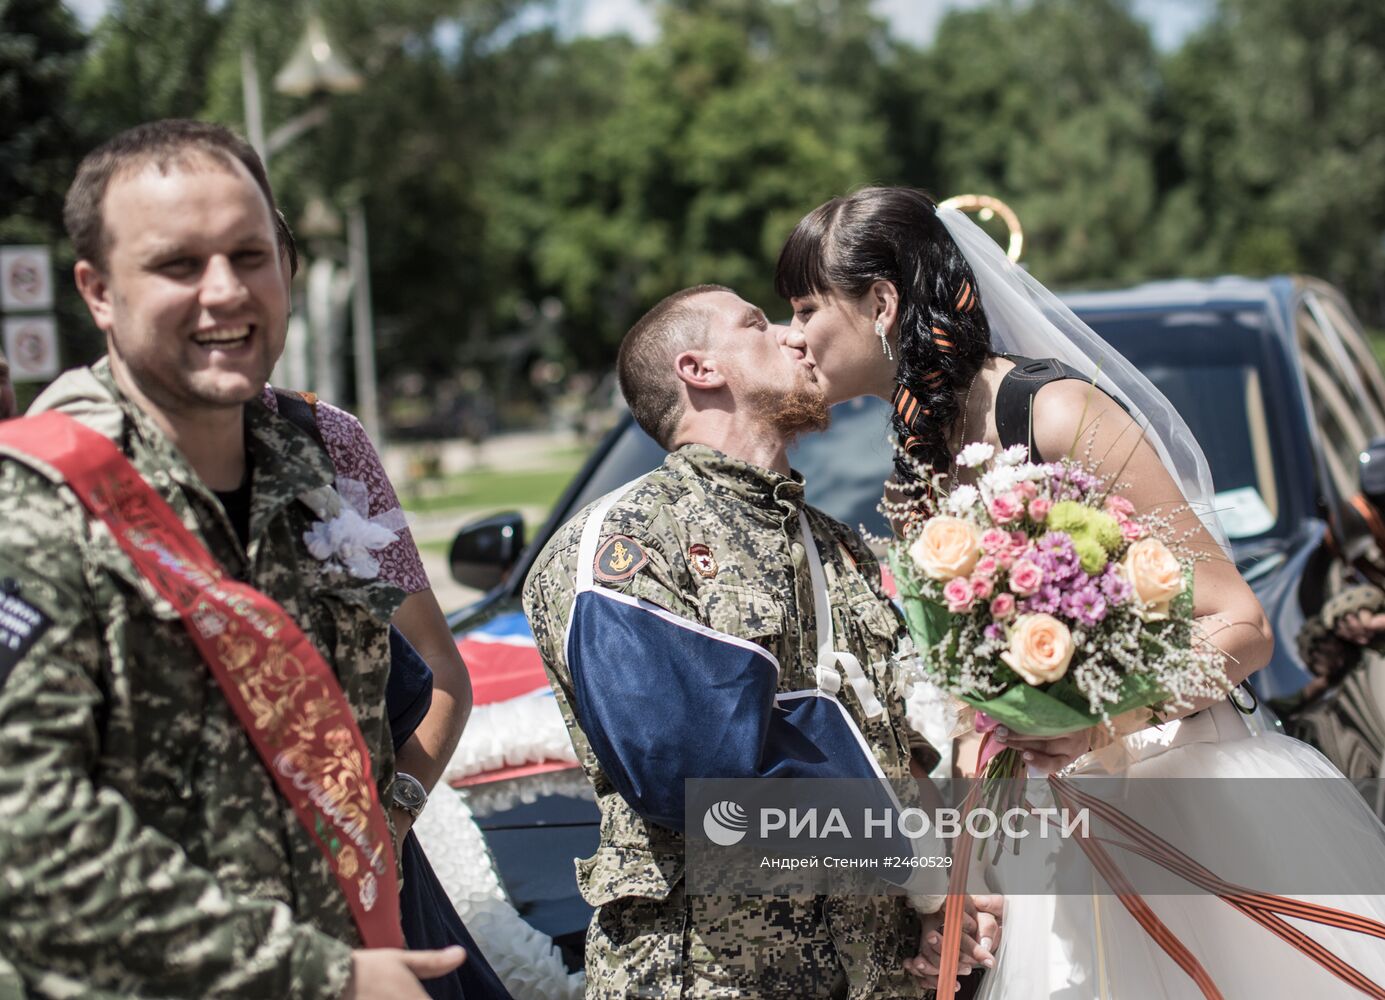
493,489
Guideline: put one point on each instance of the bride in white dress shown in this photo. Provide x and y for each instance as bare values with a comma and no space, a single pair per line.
889,291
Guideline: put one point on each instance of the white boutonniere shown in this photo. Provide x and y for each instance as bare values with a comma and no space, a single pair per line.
345,536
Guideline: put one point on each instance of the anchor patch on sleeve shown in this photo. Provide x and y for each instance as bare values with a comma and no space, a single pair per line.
618,559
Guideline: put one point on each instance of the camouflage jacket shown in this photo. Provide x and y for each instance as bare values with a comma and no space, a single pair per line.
145,849
723,548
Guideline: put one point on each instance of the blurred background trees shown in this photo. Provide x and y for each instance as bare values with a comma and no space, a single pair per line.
531,190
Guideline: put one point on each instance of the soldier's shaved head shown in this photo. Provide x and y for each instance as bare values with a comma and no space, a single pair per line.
645,364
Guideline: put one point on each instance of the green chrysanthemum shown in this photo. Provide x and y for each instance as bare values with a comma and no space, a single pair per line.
1096,535
1091,553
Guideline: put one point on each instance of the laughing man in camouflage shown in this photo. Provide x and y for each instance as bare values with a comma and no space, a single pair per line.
144,847
715,537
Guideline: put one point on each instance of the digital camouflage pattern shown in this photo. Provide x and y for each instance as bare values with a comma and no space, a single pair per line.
146,850
721,545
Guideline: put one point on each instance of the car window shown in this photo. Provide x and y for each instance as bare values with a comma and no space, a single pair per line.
1212,365
1342,429
845,468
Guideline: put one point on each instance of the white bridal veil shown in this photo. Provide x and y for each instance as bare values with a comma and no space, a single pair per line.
1026,318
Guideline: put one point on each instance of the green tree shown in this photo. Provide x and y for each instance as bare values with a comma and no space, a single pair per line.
1281,140
694,158
41,47
149,59
1047,105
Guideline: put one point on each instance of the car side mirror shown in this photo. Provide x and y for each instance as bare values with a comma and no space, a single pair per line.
484,552
1372,472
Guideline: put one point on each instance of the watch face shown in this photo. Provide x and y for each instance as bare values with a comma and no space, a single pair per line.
409,793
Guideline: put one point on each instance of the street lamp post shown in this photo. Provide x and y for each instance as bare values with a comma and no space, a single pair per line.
315,71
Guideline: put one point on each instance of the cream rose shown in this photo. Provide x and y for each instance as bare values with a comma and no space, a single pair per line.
1040,648
946,548
1155,576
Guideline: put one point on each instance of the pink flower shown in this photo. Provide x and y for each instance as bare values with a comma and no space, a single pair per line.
1018,539
1119,507
982,587
1133,531
986,566
994,540
1025,578
1002,606
1039,508
958,595
1005,508
1005,558
1027,490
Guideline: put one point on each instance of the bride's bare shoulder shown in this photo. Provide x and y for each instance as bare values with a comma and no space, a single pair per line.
1071,413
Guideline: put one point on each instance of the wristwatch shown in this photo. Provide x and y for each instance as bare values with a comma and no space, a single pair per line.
407,793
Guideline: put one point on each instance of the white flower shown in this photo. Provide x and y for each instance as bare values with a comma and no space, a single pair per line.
1030,472
974,454
963,498
1013,455
1000,479
344,538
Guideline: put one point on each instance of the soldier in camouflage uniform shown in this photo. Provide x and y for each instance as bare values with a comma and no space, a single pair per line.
713,536
145,848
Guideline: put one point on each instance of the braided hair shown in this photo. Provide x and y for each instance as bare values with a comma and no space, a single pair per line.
894,234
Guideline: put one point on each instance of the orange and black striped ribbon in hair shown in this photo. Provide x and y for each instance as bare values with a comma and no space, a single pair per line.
912,411
966,298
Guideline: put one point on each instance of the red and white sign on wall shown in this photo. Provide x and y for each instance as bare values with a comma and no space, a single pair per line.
26,279
31,345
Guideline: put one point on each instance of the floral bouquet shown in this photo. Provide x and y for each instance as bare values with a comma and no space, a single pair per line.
1038,597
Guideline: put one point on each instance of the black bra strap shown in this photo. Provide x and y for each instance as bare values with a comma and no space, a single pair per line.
1015,398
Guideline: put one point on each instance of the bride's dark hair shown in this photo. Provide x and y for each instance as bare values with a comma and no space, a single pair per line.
894,234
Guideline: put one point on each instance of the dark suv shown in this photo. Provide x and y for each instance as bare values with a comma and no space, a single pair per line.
1275,379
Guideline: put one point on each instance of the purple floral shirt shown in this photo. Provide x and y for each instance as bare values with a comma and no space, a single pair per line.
356,458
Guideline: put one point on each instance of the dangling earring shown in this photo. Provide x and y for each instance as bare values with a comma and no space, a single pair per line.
884,341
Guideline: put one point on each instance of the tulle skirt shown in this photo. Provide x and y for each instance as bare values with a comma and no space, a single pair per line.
1075,947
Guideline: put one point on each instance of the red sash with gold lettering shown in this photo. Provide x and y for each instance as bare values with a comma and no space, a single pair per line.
281,689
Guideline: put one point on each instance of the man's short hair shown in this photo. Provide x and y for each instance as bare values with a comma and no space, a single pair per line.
163,144
645,364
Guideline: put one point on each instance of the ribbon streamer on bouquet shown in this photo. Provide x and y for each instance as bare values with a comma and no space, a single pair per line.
1266,909
956,891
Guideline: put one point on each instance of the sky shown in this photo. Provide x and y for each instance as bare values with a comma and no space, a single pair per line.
1170,21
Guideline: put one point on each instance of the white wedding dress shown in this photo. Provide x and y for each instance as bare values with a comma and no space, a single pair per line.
1084,947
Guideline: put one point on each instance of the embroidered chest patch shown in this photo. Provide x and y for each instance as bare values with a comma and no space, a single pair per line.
618,559
21,625
702,560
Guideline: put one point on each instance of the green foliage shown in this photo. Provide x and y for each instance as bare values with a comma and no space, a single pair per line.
1282,139
41,139
692,162
502,163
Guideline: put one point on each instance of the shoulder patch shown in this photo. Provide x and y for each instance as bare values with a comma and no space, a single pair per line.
702,560
21,625
619,558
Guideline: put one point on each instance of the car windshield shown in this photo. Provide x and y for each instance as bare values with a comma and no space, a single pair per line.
1209,364
1212,367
